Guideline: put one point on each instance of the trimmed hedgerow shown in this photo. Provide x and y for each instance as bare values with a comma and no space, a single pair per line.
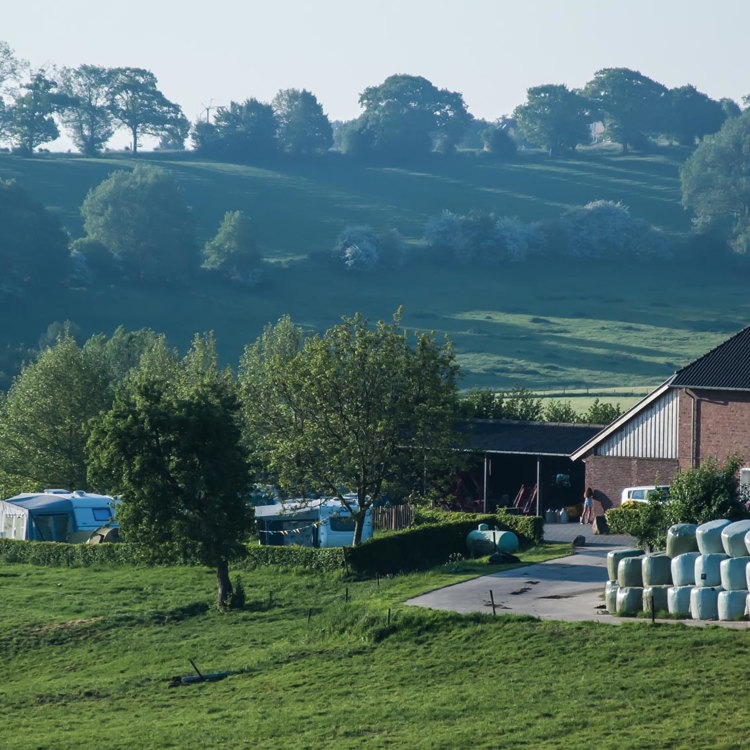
528,529
293,557
62,555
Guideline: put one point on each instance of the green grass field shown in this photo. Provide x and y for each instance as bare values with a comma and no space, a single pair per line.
546,325
88,653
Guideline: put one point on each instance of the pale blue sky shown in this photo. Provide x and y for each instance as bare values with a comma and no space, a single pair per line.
214,51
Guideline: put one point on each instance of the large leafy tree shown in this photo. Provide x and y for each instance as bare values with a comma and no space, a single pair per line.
137,104
555,118
44,421
356,409
233,252
11,67
241,131
716,181
407,116
141,217
632,105
302,126
171,446
692,115
87,115
29,120
33,245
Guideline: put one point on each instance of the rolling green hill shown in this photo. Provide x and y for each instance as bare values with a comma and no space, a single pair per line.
551,325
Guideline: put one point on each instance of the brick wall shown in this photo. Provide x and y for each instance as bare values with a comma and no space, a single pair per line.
609,475
722,426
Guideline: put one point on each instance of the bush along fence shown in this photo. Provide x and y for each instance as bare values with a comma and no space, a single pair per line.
436,536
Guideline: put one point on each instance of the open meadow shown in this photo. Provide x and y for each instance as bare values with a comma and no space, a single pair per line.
313,661
592,327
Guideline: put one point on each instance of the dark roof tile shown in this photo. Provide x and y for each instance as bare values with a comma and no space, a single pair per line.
726,367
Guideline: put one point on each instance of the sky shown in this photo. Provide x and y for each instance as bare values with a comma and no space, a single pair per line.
206,54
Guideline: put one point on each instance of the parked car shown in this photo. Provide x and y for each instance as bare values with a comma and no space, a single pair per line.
641,494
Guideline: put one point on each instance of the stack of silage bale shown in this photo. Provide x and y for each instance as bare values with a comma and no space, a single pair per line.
613,583
733,600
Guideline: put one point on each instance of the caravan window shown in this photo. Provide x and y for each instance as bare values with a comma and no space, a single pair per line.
102,514
342,523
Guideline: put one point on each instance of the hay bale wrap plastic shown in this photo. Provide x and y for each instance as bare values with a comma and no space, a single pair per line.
708,536
656,569
683,569
681,539
656,597
629,572
629,600
708,569
732,605
733,538
610,596
704,603
678,600
734,573
614,557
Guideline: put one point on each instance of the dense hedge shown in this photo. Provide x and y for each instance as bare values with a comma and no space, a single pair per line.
528,529
293,557
58,554
625,519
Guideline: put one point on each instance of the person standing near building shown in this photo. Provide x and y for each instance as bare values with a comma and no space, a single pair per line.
588,506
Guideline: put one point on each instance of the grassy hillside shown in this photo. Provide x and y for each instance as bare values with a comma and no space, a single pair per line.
88,654
545,325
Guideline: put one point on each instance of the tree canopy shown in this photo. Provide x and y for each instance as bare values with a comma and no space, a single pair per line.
716,181
141,217
692,115
171,446
632,105
301,125
137,104
555,118
243,132
87,113
33,245
44,420
406,116
357,409
234,252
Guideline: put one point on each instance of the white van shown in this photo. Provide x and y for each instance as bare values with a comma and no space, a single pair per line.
641,494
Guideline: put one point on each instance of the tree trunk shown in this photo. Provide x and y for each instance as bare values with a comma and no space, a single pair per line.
134,131
224,584
359,522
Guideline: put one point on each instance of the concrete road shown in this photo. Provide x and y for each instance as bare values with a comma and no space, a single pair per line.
569,588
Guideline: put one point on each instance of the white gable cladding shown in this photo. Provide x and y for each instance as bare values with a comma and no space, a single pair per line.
650,434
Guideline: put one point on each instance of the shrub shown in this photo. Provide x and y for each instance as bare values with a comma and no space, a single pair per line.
646,522
292,557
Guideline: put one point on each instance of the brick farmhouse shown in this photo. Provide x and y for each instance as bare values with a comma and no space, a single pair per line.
702,410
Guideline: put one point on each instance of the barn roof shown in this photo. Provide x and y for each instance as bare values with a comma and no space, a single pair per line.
526,438
725,368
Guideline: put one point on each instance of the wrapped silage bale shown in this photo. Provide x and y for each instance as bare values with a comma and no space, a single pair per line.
734,573
731,605
704,602
678,600
656,569
629,572
733,538
681,539
614,557
629,600
610,596
655,598
708,570
683,569
708,536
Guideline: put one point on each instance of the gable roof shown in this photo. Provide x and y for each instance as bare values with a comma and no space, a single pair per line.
526,438
725,368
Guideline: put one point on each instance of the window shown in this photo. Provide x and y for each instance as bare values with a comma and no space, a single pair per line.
342,523
102,514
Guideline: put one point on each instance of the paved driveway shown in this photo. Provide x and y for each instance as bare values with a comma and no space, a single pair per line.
568,588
